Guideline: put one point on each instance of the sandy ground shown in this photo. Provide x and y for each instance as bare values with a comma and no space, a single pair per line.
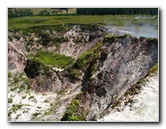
32,105
145,106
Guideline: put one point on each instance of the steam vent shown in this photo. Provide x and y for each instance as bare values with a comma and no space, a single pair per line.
81,71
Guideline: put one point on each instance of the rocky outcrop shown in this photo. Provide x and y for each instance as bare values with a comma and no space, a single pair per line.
128,60
16,57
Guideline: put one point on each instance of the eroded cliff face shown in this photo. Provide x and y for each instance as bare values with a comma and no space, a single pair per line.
104,67
128,60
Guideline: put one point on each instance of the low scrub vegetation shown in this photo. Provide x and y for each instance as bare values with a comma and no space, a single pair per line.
153,69
152,40
39,29
10,100
16,107
87,57
85,62
110,39
89,27
78,40
74,112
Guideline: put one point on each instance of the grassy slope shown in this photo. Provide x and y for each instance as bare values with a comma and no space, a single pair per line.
25,22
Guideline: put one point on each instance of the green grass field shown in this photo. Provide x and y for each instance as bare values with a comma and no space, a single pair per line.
117,20
55,60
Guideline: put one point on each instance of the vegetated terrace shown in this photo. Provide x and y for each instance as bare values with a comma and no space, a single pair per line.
55,60
116,20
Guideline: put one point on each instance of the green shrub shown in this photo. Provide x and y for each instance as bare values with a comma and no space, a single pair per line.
46,70
86,62
59,39
80,63
18,116
31,97
10,100
14,88
9,38
16,107
87,57
22,87
44,12
134,89
30,42
9,75
45,39
92,70
74,112
35,115
109,39
153,69
89,27
23,97
17,37
78,40
46,101
152,40
57,45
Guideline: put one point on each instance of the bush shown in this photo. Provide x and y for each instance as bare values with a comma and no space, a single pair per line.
16,107
15,80
10,100
74,112
43,13
17,37
45,39
109,39
89,27
78,40
152,40
59,39
153,69
73,73
14,88
19,13
87,57
80,63
9,74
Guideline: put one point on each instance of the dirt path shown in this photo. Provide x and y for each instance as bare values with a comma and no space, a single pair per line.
145,106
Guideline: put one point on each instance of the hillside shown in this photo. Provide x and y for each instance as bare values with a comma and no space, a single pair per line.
73,68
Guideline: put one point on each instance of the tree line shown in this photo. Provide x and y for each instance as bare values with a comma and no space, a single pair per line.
19,13
116,11
13,12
